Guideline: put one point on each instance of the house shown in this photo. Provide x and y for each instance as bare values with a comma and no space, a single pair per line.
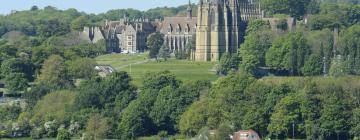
245,135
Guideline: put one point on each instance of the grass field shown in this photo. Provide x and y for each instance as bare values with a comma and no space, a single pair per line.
137,66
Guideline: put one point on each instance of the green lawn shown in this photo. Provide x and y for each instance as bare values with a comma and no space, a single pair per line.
137,67
121,60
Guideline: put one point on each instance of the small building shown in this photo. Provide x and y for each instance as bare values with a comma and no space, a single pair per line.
245,135
104,70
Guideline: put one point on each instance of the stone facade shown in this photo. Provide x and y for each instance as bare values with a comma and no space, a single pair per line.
121,36
127,36
178,30
218,29
91,34
250,9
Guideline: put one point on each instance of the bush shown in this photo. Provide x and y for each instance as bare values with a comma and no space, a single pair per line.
63,134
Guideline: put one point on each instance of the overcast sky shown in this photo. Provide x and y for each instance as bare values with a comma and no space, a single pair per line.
88,6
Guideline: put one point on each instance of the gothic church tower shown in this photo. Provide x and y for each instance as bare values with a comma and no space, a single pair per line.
218,27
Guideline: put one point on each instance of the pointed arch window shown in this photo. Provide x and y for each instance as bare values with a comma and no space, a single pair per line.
178,29
187,29
212,17
169,29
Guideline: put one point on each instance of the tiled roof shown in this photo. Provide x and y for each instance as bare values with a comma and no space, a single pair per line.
177,21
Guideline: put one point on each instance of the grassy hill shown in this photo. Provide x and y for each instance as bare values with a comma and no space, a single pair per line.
137,66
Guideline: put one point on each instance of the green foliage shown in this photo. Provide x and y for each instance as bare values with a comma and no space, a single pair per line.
9,112
35,93
164,52
52,27
256,25
160,80
53,73
295,8
349,48
53,107
286,113
63,134
282,25
339,68
194,118
79,23
313,66
288,53
253,50
135,121
224,131
81,68
227,63
154,43
16,83
181,54
17,65
114,90
96,127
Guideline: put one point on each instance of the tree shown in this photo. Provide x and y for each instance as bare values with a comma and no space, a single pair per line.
63,134
227,63
16,82
335,113
154,43
17,65
194,118
79,23
135,121
349,47
338,68
295,8
115,89
287,113
96,127
82,68
253,50
53,107
53,73
313,65
159,80
34,94
288,53
34,8
355,123
224,131
164,52
52,27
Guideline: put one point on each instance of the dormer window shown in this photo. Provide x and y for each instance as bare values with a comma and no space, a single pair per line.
187,29
169,29
178,29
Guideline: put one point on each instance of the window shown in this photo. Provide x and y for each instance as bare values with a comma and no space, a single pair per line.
212,17
169,29
178,30
129,43
129,37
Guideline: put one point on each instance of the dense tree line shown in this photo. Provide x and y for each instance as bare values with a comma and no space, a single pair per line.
308,49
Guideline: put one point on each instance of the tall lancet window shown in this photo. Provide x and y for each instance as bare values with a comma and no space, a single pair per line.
169,29
212,17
